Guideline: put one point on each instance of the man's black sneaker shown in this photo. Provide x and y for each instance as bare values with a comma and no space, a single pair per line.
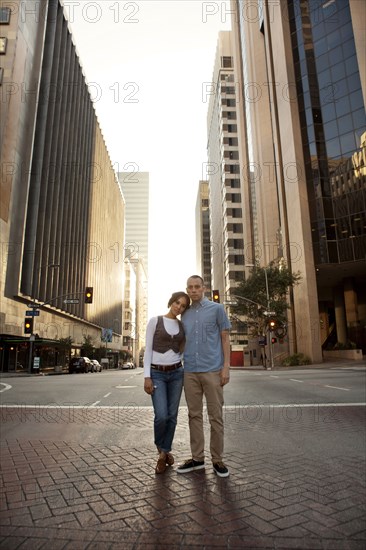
190,465
220,469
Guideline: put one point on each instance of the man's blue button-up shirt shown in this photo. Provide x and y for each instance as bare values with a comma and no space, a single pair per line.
203,323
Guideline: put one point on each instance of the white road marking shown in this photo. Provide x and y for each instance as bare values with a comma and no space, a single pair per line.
295,380
107,394
273,376
227,407
124,387
336,388
7,387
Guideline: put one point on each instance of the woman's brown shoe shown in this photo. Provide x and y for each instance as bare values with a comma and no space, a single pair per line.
160,466
169,459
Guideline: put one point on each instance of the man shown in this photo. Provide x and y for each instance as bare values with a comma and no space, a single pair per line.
206,371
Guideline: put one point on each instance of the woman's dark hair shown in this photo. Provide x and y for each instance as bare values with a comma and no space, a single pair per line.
176,295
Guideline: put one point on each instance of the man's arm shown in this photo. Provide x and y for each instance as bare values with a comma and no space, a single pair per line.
225,371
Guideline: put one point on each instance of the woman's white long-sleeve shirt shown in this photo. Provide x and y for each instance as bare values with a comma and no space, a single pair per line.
150,356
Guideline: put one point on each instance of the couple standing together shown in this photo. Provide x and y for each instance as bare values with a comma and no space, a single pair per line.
203,335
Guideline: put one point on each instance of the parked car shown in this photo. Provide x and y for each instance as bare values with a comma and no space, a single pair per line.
97,367
80,364
127,365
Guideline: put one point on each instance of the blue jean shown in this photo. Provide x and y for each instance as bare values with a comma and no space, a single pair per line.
166,397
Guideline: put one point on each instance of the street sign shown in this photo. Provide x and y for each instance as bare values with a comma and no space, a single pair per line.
71,301
32,313
268,313
262,340
33,305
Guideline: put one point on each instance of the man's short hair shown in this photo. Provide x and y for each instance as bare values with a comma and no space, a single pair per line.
196,277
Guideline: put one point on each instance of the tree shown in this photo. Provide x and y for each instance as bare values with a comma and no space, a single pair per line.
87,348
65,345
254,290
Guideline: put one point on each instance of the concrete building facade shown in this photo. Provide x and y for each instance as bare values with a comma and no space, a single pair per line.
58,180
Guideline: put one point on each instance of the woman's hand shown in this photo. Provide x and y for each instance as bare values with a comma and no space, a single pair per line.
148,386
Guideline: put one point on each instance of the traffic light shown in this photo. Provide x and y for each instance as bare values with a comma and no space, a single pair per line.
28,325
272,323
88,297
274,340
216,296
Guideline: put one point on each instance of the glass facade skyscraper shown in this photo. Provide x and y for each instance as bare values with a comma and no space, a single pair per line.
333,126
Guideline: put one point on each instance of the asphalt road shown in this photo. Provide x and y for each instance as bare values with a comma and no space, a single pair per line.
339,385
308,408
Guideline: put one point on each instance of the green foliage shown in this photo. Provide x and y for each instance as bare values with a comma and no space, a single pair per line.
345,345
296,359
254,289
87,348
66,343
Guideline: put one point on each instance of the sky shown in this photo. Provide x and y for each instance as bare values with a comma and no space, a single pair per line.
148,65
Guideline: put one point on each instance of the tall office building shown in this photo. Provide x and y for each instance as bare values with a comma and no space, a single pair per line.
62,208
226,213
135,187
203,241
301,72
225,191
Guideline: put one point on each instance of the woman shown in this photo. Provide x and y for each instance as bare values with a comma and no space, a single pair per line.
163,374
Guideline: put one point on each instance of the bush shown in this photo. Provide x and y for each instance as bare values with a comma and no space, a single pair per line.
296,359
345,345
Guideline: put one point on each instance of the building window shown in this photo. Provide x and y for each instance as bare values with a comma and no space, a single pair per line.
3,45
4,16
227,62
232,128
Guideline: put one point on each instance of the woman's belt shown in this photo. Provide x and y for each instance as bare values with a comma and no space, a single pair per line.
166,368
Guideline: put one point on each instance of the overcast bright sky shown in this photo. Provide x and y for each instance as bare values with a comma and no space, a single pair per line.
148,64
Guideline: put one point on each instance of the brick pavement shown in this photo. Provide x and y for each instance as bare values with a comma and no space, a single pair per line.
80,495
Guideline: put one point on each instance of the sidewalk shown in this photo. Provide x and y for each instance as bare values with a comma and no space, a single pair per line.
61,494
325,365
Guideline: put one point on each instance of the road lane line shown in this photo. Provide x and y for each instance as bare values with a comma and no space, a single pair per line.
183,407
295,380
93,404
7,387
107,394
336,388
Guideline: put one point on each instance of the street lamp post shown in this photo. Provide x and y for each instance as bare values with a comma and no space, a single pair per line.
268,312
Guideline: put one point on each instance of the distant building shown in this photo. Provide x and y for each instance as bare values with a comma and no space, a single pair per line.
203,244
135,187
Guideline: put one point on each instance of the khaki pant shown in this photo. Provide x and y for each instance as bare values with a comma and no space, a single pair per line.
195,386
